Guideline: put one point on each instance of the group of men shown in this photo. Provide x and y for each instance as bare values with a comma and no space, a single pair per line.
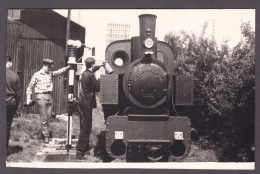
42,83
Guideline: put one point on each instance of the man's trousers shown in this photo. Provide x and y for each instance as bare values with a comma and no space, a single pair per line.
85,129
45,104
10,112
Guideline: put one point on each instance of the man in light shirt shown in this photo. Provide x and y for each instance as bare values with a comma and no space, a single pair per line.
42,83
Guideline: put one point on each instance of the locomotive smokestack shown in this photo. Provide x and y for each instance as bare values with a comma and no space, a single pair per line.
147,22
147,36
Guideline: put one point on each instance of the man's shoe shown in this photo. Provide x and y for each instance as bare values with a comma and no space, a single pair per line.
46,140
80,155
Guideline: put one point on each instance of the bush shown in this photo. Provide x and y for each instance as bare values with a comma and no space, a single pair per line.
224,90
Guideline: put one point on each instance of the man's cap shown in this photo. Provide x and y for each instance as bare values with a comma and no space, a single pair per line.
89,60
49,61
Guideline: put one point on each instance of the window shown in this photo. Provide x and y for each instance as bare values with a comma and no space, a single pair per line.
14,14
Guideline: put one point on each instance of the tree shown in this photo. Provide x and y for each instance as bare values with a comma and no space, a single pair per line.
224,89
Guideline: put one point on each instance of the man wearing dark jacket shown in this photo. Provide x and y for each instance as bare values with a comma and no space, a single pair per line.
87,101
12,96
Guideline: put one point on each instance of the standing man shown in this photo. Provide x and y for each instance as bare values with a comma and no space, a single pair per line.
13,92
87,101
42,84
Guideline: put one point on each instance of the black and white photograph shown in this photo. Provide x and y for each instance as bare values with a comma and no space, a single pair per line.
130,88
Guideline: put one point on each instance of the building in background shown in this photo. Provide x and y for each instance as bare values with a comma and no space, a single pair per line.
117,31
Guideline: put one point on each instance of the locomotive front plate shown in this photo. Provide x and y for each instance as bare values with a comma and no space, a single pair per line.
148,83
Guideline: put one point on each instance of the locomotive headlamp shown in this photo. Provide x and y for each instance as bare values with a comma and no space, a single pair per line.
148,43
119,62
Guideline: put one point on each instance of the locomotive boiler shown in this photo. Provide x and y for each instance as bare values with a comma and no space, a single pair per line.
140,96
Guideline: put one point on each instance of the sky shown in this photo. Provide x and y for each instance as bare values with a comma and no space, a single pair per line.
227,23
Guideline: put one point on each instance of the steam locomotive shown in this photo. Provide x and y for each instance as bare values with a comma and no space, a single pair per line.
140,96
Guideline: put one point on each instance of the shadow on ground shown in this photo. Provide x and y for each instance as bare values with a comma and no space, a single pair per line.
100,149
13,149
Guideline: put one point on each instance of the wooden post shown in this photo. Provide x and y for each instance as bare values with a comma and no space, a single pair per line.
20,61
66,47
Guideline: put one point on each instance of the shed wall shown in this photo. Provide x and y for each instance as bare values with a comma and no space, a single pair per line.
41,34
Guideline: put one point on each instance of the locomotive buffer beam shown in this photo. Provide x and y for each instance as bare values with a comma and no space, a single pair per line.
152,136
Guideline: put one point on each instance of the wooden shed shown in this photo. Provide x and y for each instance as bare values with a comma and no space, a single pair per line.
39,34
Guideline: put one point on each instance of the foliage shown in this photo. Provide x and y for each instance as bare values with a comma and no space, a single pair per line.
224,89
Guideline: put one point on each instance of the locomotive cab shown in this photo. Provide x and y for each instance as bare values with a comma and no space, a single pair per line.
137,95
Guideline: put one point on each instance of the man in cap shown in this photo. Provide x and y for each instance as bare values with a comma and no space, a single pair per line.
42,83
87,101
13,92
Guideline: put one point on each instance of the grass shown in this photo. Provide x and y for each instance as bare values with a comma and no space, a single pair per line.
26,140
197,154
